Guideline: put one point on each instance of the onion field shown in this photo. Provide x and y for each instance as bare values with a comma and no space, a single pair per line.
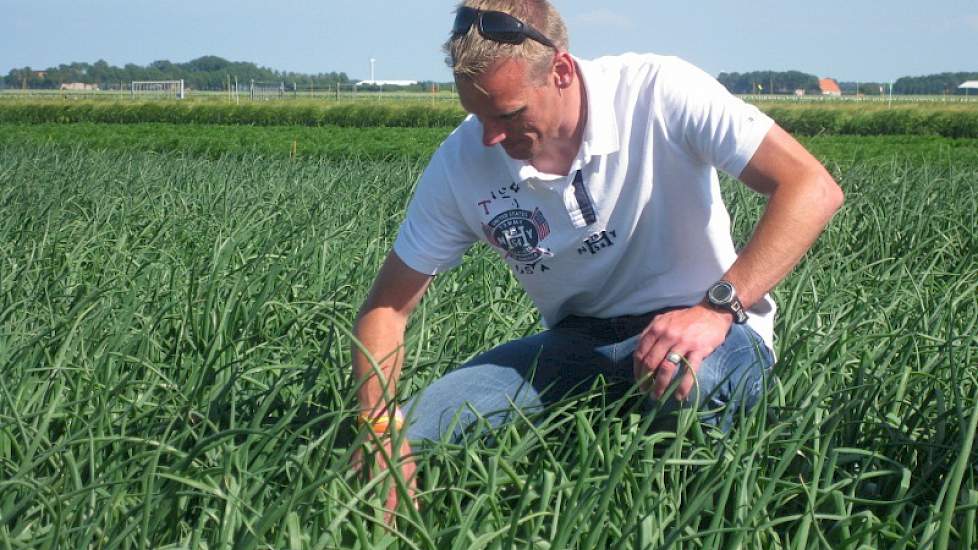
175,343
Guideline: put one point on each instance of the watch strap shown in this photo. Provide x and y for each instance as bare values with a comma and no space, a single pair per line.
733,305
737,308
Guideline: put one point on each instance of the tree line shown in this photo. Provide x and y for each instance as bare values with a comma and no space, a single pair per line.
769,82
786,82
204,73
943,83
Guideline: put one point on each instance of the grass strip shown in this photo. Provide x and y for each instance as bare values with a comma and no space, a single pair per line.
954,120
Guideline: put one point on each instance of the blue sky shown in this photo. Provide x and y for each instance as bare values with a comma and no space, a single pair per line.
848,40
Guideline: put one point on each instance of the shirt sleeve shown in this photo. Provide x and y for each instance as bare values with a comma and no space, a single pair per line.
716,126
433,236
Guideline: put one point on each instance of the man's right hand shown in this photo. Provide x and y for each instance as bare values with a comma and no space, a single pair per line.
381,457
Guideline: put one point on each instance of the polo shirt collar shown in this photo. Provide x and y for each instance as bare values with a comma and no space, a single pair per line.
600,130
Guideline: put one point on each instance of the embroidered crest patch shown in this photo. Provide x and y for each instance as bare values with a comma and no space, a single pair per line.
519,233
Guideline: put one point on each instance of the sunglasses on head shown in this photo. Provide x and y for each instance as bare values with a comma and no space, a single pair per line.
497,26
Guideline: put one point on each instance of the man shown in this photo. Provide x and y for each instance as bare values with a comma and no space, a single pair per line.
596,182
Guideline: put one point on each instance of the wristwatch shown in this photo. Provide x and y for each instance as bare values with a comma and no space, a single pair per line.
722,295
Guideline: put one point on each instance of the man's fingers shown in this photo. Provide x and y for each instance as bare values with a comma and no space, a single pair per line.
357,461
691,366
380,454
651,364
639,369
663,377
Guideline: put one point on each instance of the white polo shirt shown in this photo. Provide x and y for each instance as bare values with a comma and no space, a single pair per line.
643,228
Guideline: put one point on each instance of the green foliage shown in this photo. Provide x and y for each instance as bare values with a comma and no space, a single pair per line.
810,121
204,73
841,151
335,142
214,142
175,367
299,113
943,83
863,88
769,82
951,120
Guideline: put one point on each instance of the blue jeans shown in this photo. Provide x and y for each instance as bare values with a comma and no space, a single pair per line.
569,359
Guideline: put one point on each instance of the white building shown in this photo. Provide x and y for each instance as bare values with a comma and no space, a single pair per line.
78,86
387,83
968,86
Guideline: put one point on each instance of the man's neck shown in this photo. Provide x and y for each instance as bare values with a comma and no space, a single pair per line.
568,141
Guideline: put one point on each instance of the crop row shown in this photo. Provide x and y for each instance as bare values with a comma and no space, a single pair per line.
305,113
953,123
214,141
947,121
333,142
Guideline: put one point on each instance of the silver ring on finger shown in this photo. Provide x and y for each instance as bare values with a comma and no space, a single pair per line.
674,358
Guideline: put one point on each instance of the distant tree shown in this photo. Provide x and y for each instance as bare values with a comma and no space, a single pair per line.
163,65
862,88
768,82
207,64
932,84
99,73
204,73
19,78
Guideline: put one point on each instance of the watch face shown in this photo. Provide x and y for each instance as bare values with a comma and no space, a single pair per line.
721,293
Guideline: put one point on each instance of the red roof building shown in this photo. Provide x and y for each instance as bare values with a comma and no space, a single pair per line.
829,87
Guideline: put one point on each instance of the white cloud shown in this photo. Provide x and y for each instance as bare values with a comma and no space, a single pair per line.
604,18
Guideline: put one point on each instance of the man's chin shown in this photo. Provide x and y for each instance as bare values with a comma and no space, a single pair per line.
518,153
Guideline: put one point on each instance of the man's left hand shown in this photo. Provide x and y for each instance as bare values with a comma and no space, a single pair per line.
693,333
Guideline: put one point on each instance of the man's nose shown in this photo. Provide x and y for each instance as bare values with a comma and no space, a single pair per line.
492,133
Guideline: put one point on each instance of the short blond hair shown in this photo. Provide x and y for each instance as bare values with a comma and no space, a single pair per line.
471,54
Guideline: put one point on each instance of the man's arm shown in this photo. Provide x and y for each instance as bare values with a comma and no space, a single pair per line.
380,331
802,197
379,328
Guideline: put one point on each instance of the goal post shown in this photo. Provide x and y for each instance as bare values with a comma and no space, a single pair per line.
157,88
267,90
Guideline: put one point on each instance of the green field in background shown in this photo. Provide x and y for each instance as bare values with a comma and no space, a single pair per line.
955,120
275,142
214,141
175,312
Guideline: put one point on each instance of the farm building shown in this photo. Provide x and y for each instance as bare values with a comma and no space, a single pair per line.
829,86
78,86
968,86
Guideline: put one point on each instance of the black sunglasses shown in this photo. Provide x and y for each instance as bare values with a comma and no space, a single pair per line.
497,26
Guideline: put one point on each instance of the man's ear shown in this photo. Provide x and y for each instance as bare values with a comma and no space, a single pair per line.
564,71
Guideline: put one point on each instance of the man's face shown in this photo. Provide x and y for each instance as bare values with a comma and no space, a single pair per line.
519,113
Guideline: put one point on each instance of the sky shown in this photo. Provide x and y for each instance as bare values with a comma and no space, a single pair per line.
849,40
